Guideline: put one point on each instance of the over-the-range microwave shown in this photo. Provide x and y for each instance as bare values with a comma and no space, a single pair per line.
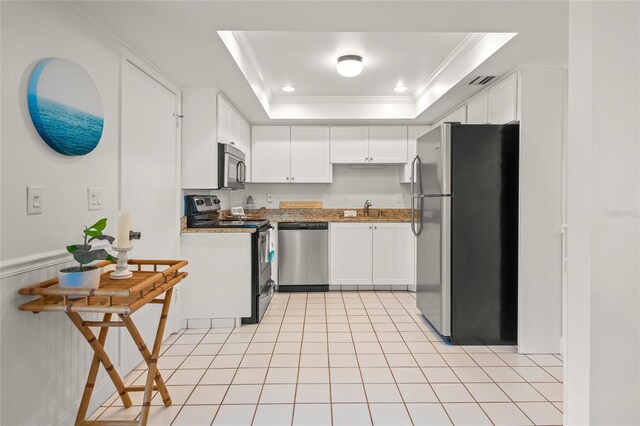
232,170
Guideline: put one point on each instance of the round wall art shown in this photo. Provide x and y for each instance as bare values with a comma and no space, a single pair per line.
65,106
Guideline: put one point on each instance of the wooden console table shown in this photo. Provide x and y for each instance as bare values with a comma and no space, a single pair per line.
151,278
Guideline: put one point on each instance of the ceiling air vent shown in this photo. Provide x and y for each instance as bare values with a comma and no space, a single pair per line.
481,80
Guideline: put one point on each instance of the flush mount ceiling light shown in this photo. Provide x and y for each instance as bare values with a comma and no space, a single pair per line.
349,65
400,88
288,88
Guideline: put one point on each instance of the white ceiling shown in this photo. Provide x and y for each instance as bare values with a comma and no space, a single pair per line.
307,60
181,39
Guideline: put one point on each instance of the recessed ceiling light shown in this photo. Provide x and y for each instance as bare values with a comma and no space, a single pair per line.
349,65
400,88
288,88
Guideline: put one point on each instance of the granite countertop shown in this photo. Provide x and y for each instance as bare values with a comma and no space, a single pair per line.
337,215
185,230
310,215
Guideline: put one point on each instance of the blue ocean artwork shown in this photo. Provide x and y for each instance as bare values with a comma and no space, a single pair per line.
65,106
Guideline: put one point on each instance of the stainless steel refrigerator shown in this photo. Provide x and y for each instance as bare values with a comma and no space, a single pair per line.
464,213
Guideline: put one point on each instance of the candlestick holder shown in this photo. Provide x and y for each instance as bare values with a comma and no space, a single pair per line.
122,271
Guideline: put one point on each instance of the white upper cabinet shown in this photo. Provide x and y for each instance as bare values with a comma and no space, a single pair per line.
310,154
208,120
458,115
349,144
393,254
413,134
271,154
388,144
503,101
296,154
234,130
199,139
367,145
477,109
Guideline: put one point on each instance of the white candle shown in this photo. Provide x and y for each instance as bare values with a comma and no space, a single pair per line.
124,225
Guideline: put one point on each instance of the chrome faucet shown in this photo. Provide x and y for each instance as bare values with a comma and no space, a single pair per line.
367,204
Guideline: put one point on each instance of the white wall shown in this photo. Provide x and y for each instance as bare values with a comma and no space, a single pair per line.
603,337
43,360
351,187
539,241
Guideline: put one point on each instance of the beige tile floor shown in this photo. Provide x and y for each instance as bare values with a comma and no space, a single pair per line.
345,358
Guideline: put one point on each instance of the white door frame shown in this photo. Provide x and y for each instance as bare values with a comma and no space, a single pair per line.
128,56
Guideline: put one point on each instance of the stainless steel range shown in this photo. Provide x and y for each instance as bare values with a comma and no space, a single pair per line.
202,212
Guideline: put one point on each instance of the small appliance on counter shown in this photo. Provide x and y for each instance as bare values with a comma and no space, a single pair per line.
202,212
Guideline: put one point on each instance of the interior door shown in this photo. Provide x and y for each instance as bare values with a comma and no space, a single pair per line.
149,186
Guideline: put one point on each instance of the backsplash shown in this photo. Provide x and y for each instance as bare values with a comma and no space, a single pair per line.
351,187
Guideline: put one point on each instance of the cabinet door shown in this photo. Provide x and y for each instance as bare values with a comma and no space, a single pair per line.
350,254
393,254
270,153
388,144
477,110
199,139
458,115
245,144
310,154
503,101
225,294
349,144
413,133
223,120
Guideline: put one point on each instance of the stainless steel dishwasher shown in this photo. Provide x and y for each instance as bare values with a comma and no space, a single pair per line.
303,256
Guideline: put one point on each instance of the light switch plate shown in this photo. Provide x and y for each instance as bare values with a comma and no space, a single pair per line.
269,198
94,196
34,199
399,198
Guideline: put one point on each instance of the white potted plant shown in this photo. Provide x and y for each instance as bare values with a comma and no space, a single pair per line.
86,275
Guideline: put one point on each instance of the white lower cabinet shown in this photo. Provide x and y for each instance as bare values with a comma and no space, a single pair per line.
393,254
351,257
219,281
368,254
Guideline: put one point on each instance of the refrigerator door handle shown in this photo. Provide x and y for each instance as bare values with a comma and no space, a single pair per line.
416,162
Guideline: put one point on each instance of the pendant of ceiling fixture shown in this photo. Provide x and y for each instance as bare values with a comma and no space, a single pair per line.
349,65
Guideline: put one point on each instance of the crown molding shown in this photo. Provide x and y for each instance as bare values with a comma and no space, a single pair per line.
462,49
343,100
474,49
242,53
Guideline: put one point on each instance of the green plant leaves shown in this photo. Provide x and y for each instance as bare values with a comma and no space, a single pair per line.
99,225
103,237
83,256
92,233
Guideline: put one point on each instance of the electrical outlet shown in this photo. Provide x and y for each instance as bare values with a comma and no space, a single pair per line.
94,196
399,198
34,199
269,198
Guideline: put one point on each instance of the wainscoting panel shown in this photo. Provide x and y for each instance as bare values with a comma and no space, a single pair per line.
43,358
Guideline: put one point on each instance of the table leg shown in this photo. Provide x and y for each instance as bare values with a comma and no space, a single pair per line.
151,359
100,356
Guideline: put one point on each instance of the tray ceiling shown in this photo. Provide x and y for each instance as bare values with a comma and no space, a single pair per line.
429,64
